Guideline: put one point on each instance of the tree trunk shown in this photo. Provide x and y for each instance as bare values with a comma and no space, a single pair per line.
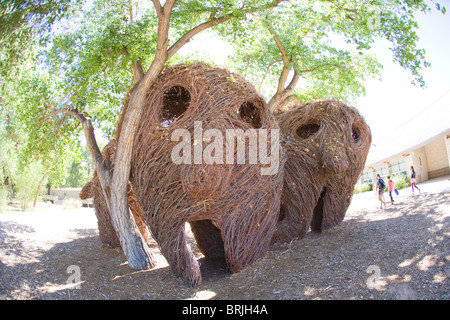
38,190
116,195
133,244
114,184
283,93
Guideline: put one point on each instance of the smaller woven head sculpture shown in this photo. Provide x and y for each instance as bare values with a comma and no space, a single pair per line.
93,189
326,144
193,163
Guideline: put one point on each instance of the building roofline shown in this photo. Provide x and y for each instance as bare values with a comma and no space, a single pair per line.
408,150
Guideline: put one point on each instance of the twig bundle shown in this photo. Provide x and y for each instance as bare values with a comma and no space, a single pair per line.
232,207
326,144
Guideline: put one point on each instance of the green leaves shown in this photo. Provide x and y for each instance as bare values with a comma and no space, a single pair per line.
25,24
53,143
93,55
326,43
70,54
441,8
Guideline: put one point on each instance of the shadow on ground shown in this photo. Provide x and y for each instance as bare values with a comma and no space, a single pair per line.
397,253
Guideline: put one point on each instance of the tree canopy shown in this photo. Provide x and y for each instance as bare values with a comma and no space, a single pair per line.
320,49
26,24
310,48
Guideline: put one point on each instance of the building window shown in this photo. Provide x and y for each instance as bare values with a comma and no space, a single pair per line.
367,178
382,171
398,168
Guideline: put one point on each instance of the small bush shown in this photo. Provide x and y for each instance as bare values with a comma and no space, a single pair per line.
400,182
363,187
27,183
3,198
70,203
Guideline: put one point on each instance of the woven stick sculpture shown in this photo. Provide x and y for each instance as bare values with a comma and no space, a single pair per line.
326,144
107,234
232,207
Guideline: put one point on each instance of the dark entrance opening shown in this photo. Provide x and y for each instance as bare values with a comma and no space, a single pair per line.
176,100
317,219
250,114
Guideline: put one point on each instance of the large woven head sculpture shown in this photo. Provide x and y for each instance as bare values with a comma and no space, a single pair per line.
190,164
326,144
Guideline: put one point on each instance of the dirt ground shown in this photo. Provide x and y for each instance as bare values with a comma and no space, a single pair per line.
401,252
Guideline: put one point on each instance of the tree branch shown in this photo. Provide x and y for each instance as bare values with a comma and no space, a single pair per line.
289,100
212,22
321,66
287,63
282,79
267,71
291,86
89,133
168,6
188,35
161,55
157,6
279,97
279,45
282,94
136,67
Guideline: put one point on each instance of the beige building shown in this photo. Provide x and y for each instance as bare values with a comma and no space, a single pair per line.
422,142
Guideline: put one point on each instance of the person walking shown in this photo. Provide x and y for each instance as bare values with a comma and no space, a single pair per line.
390,188
413,180
380,186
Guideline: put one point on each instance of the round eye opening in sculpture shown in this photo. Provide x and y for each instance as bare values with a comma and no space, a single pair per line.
176,100
307,130
250,114
356,136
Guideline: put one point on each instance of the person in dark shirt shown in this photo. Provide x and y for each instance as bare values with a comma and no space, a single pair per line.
380,186
413,180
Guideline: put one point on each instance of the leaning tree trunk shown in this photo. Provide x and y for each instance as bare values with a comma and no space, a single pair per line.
131,240
115,185
38,190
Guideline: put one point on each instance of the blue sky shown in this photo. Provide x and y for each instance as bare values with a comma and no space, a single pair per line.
394,100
